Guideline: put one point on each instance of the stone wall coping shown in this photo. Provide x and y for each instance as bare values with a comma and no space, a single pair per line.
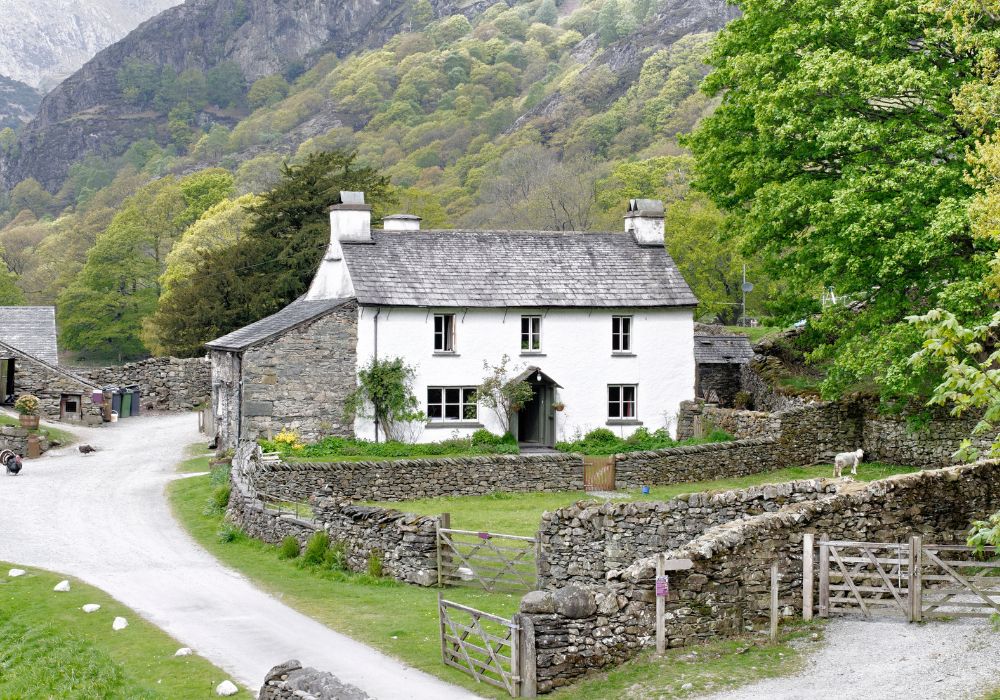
694,449
423,461
724,538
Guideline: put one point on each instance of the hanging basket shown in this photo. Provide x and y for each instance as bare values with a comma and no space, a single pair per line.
558,406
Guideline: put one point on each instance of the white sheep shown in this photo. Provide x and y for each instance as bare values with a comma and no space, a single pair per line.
847,459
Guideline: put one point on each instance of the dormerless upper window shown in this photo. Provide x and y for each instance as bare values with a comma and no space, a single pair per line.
444,333
531,333
621,400
621,334
451,403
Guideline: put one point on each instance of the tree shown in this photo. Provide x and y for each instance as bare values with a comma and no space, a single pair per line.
385,394
29,194
839,156
225,84
547,12
421,14
609,18
503,394
267,91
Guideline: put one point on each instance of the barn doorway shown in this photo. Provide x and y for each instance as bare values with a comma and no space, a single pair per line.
7,381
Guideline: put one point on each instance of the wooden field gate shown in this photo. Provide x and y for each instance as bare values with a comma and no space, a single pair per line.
491,560
913,579
491,649
599,473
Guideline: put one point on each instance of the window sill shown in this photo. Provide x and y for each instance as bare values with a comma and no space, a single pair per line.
623,354
446,353
623,421
431,425
532,353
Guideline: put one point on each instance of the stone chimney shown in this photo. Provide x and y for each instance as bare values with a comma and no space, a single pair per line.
350,222
644,220
401,222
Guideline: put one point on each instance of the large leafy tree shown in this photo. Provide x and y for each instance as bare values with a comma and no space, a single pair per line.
838,152
275,258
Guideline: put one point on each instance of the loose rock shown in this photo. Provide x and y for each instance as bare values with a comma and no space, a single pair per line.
183,651
120,623
14,573
62,586
226,688
91,607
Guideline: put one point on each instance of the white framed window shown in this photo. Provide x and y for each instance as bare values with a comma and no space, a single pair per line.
444,332
531,334
621,401
621,334
452,403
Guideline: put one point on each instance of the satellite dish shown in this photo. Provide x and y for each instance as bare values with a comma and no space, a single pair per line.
747,287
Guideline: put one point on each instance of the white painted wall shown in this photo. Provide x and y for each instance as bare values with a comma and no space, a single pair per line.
576,347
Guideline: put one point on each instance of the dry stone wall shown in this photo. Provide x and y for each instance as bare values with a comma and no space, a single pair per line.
726,592
405,479
290,681
16,439
166,383
581,543
49,383
717,460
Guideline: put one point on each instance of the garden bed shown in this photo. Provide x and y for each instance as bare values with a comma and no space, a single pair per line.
336,449
603,442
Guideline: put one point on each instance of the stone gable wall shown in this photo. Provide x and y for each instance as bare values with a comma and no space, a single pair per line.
406,479
581,543
300,380
726,593
722,379
49,384
166,383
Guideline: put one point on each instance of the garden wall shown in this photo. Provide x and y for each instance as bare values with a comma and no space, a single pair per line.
290,681
166,383
406,479
726,592
583,542
717,460
16,439
404,542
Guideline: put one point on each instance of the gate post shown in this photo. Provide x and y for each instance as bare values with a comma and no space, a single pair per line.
661,602
444,522
527,669
824,577
914,587
807,576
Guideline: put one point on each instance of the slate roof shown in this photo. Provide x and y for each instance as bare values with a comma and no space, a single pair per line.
6,349
30,329
298,312
722,349
513,268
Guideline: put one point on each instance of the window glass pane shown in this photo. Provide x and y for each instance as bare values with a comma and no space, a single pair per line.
469,394
614,393
616,324
628,393
438,324
451,411
451,394
525,324
433,395
434,410
613,409
469,411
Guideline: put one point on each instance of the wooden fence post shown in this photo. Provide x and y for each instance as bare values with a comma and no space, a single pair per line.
441,631
528,671
824,577
774,602
444,522
661,630
915,589
807,576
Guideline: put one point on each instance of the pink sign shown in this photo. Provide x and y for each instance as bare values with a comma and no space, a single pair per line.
662,586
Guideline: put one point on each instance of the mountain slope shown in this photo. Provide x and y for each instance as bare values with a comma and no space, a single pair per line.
88,112
43,41
18,103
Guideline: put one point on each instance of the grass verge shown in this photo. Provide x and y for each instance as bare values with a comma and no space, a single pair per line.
713,667
395,618
50,648
521,513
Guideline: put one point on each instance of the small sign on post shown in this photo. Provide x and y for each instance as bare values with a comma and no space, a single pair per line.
663,586
662,590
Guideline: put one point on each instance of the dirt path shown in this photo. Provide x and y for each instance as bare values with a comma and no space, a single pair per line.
104,518
890,659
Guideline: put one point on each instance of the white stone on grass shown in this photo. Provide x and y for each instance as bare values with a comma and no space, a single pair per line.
183,651
226,688
14,573
91,607
62,586
120,623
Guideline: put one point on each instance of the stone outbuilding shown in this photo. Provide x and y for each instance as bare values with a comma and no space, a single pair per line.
62,395
718,361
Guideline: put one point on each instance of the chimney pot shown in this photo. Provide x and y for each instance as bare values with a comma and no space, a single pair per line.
401,222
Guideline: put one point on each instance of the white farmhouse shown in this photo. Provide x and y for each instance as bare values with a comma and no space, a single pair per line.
600,325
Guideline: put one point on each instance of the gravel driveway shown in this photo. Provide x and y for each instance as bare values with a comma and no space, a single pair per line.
890,659
104,518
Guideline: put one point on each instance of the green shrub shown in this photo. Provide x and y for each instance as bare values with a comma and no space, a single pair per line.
289,548
219,500
336,556
315,553
228,533
602,442
482,442
375,564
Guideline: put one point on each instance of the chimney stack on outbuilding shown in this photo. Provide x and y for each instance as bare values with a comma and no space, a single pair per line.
401,222
644,220
350,222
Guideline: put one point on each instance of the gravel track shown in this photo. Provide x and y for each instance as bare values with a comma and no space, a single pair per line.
104,518
888,659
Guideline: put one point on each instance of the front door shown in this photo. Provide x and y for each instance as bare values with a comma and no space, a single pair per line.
535,420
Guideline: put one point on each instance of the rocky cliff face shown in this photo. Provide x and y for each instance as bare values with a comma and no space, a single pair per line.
88,114
18,103
43,41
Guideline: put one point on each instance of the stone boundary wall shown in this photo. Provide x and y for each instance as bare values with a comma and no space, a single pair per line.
763,397
698,418
406,479
290,681
716,460
405,542
15,438
167,383
726,593
581,543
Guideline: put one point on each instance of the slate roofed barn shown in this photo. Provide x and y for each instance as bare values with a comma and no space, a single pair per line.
605,320
30,329
718,361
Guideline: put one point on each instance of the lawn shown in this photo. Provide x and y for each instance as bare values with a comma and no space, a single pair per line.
50,648
395,618
520,513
